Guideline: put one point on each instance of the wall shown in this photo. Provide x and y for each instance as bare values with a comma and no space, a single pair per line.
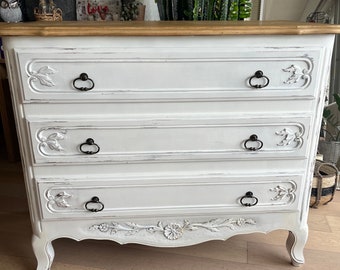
284,10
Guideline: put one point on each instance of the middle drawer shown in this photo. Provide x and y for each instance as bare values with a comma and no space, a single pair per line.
147,140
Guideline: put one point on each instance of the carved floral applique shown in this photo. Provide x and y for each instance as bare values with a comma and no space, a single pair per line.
284,192
43,76
60,199
296,74
173,231
51,140
289,136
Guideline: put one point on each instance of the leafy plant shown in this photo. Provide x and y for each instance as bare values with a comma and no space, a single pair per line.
129,10
244,9
220,10
204,10
233,10
333,120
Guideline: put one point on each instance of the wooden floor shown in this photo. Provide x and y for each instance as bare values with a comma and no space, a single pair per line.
248,252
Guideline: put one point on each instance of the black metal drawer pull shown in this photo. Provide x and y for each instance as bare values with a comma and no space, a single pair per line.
94,205
249,199
83,77
253,138
258,75
89,143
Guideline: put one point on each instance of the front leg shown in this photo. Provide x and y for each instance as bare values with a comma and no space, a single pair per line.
295,244
43,251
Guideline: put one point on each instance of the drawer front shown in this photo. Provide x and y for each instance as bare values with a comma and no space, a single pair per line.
167,73
164,196
150,140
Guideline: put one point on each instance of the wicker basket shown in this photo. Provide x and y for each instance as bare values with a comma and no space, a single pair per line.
56,15
324,183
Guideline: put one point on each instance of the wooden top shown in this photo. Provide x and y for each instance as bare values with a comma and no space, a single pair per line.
165,28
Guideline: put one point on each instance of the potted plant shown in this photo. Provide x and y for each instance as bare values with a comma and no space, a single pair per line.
329,144
132,10
204,10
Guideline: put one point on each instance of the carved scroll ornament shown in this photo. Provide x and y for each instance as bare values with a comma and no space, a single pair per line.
173,231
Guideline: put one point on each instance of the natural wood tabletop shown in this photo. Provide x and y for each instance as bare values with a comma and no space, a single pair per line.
165,28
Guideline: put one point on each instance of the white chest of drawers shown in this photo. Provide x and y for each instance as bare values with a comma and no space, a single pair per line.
170,138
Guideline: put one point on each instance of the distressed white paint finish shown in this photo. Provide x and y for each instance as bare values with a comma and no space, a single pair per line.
203,71
165,195
151,140
171,116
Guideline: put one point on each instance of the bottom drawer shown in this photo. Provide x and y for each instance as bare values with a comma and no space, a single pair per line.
164,196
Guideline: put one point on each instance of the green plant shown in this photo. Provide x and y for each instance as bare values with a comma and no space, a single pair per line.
129,10
233,10
332,120
244,9
204,10
220,10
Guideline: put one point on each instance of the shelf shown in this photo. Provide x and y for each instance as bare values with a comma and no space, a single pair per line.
165,28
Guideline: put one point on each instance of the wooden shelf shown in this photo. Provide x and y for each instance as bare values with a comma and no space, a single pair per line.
165,28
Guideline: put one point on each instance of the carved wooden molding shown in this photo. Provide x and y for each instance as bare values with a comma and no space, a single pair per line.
43,76
51,139
284,192
296,74
290,137
59,199
173,231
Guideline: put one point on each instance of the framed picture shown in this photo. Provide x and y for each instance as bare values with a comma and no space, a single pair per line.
98,10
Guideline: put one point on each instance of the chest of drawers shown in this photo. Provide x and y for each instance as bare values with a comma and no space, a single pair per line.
170,137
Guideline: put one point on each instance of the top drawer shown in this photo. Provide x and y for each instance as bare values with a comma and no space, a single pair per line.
166,73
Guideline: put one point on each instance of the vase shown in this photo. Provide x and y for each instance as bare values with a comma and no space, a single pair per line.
10,11
330,151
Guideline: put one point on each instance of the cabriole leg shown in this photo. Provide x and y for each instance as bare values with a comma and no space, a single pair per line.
43,251
295,244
